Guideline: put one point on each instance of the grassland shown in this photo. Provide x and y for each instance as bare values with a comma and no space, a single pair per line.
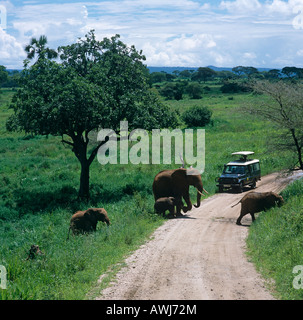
275,243
39,179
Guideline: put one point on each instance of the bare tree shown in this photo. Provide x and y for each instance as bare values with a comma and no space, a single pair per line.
283,105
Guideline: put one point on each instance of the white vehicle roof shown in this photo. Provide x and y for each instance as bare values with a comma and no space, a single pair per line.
242,163
243,153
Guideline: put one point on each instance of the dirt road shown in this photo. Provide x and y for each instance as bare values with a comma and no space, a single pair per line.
196,257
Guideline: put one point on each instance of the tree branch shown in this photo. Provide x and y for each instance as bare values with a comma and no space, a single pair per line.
67,142
95,151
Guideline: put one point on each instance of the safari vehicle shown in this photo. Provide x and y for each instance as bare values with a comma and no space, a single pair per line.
240,173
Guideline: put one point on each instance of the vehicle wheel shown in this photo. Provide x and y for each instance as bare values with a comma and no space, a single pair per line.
254,184
220,189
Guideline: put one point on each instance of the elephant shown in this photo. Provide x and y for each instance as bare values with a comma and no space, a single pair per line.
85,221
254,202
175,183
167,203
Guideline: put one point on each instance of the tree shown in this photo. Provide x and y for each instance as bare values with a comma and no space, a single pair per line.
197,116
194,90
245,71
3,75
158,77
203,74
172,90
37,47
292,72
97,85
285,110
273,74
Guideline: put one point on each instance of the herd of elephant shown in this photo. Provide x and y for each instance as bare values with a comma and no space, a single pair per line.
169,188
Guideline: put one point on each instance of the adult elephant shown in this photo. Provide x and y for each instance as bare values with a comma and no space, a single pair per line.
175,183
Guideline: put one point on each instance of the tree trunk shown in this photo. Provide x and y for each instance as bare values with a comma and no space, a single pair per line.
299,149
84,180
80,150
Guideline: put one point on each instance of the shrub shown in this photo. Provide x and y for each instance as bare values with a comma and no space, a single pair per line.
197,116
195,90
234,87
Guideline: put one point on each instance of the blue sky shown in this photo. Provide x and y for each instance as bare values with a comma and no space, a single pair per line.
190,33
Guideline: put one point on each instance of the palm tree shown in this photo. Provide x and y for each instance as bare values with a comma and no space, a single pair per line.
38,47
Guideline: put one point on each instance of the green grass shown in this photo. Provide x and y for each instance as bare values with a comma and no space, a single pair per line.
275,242
39,180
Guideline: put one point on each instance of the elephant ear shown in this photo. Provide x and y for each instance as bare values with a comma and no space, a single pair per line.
91,215
179,181
179,174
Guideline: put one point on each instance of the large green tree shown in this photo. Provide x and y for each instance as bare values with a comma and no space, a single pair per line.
96,85
203,74
3,75
283,107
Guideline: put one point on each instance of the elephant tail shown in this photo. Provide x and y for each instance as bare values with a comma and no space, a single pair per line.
236,204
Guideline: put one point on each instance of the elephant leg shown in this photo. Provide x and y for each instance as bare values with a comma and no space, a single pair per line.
178,209
172,211
253,216
188,202
242,214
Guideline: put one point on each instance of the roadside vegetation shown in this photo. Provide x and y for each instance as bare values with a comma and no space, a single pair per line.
39,183
275,244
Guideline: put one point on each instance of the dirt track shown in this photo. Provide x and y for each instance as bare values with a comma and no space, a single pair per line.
196,257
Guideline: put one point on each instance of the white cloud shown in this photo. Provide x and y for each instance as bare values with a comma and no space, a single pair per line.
241,6
57,21
11,51
170,32
184,50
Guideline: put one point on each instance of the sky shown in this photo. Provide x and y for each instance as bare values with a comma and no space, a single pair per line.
187,33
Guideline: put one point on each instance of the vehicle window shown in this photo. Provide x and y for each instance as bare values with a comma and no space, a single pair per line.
234,169
256,166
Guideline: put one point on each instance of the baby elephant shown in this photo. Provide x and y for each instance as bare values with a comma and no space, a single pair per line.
86,221
167,203
256,202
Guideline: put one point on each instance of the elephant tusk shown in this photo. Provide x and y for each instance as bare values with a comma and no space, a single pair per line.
205,191
201,193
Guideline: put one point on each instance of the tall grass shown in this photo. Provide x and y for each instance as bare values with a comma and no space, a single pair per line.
39,180
275,242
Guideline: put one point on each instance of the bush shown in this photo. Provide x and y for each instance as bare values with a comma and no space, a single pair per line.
197,116
234,87
195,90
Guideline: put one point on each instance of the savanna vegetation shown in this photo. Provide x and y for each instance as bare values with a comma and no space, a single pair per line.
40,166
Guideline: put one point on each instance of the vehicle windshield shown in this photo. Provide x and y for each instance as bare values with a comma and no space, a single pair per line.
234,169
